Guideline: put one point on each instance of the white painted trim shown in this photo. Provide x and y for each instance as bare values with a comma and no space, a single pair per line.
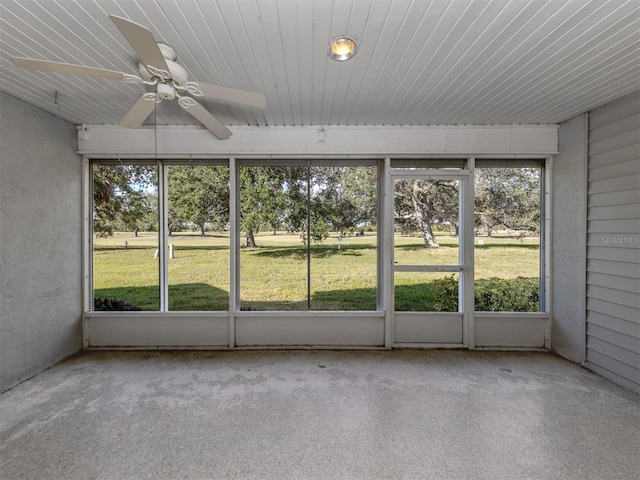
87,247
430,172
429,268
430,346
428,328
234,249
385,251
158,329
547,245
467,256
107,141
377,326
163,237
314,313
429,325
310,328
496,329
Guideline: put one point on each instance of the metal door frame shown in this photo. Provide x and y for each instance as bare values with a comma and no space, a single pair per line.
465,265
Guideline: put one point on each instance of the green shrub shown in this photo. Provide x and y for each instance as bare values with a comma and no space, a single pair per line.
103,304
493,295
445,293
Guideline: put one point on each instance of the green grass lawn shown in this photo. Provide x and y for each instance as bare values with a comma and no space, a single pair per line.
274,275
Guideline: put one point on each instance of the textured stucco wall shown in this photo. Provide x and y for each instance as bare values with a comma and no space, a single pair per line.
569,241
40,241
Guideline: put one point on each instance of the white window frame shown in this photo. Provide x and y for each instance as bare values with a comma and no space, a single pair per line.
313,329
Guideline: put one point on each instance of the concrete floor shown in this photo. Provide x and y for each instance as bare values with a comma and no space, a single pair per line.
319,415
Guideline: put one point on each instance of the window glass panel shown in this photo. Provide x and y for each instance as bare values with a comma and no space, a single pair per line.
344,245
198,218
125,237
426,292
273,257
309,237
426,222
507,241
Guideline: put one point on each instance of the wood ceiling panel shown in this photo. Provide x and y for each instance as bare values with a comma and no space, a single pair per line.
571,55
410,45
321,35
304,39
511,65
413,72
377,37
462,46
396,37
419,62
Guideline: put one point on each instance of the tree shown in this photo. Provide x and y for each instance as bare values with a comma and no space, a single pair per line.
310,201
122,196
419,204
345,197
198,195
508,197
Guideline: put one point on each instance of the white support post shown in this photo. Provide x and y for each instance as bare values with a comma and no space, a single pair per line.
163,236
87,248
385,272
546,245
467,238
234,248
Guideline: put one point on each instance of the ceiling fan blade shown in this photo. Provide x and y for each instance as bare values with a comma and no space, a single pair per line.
209,121
57,67
142,41
235,95
137,114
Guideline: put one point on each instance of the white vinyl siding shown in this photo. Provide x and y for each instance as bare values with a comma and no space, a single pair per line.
613,241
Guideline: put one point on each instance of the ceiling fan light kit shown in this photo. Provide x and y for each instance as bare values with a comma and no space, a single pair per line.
158,70
166,91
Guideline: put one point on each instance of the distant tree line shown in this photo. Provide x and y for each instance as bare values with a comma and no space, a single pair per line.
309,201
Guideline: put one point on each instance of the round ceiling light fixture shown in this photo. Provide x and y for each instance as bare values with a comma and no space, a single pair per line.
342,49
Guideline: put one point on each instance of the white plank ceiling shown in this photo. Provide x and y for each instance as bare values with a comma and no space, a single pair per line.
419,62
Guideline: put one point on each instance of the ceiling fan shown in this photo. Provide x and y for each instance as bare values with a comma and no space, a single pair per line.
161,75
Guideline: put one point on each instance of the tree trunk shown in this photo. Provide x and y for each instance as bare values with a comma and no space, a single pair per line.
425,223
202,230
251,239
428,236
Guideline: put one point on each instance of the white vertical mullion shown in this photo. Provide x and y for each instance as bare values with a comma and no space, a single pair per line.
467,255
87,248
387,253
546,246
163,235
234,248
381,237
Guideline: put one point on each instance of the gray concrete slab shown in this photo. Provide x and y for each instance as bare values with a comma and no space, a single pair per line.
319,415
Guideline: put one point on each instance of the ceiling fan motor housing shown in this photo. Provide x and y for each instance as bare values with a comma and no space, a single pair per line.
166,91
177,72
